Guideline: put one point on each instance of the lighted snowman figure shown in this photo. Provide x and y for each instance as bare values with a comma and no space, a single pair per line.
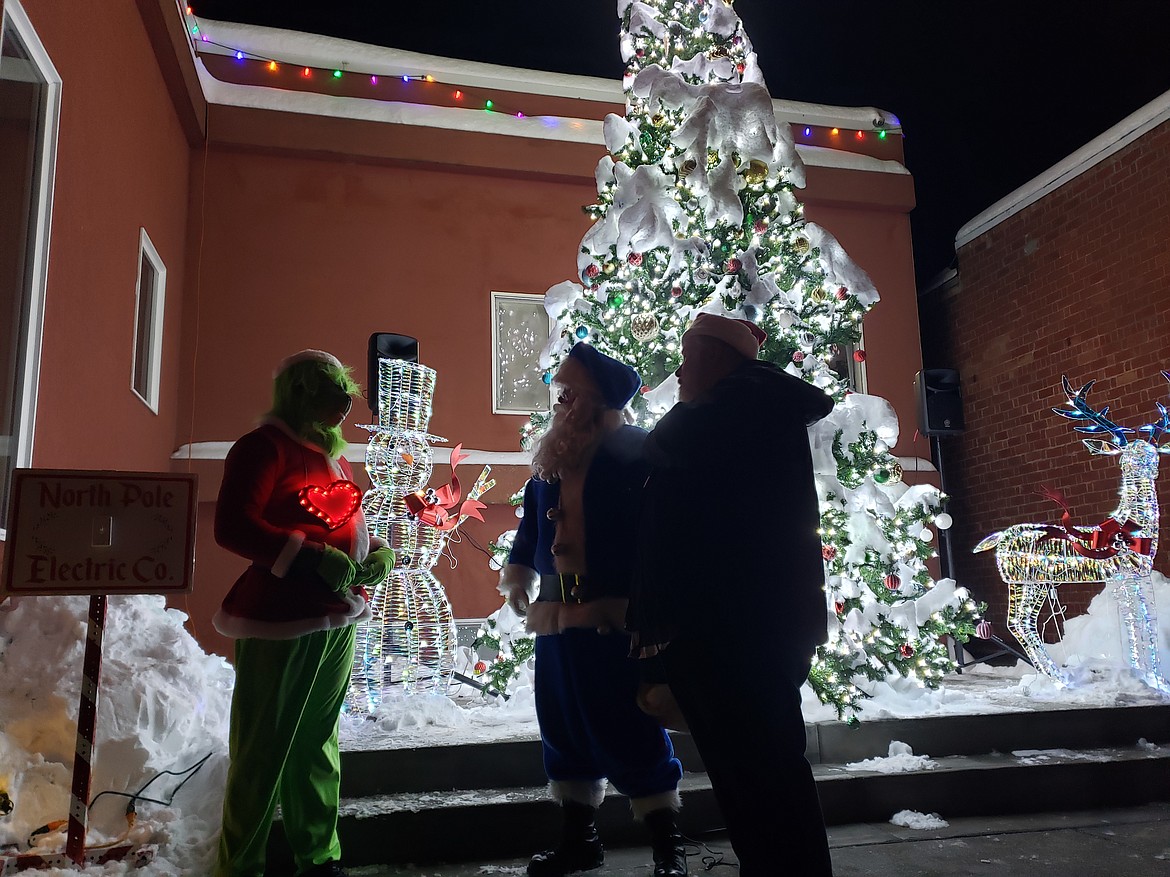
411,639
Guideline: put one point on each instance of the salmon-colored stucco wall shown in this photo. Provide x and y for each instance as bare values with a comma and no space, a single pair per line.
122,164
300,251
270,250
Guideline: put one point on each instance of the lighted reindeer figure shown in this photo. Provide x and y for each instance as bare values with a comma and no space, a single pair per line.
1035,558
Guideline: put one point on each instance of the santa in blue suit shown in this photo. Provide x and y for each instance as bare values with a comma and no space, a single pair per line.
569,572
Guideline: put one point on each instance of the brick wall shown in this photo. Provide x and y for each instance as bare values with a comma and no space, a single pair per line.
1077,283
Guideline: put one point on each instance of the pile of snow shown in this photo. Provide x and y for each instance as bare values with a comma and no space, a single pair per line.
918,821
900,760
163,705
466,716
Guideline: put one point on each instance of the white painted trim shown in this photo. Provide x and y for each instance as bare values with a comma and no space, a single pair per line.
314,50
1087,157
42,224
916,464
553,128
324,52
154,342
356,453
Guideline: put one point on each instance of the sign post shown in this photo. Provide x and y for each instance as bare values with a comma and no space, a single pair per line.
97,533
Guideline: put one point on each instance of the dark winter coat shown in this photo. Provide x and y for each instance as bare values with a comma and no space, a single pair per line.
729,545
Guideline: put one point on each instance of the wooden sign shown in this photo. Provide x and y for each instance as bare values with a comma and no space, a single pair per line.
73,531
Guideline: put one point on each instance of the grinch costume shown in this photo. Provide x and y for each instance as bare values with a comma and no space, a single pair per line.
288,504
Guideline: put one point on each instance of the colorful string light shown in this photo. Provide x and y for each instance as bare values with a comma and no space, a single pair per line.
201,42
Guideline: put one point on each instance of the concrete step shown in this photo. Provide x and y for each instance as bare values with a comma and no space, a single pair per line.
489,800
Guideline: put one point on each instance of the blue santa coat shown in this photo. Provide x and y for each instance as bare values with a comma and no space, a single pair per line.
586,683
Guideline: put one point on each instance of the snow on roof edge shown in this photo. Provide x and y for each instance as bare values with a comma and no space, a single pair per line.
559,128
1088,156
315,50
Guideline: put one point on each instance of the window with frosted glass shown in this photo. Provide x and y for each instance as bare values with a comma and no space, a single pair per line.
520,330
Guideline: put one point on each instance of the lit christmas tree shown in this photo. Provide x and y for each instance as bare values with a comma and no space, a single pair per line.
696,211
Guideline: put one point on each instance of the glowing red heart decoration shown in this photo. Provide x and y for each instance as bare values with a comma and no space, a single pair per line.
334,504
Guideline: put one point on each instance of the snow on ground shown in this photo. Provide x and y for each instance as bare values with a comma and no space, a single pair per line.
919,821
165,704
900,760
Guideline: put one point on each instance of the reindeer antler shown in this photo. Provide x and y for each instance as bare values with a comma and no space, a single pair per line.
1081,410
1155,430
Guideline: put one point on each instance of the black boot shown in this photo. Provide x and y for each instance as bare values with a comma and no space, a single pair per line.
670,854
579,850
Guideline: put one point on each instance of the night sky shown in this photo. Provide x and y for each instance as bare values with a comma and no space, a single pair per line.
989,93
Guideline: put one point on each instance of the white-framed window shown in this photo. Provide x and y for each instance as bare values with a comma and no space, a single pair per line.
149,298
520,329
30,95
845,366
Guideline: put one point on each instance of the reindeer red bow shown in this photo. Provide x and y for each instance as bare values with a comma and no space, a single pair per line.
1102,542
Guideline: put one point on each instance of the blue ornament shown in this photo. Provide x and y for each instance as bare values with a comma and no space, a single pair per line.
546,377
582,332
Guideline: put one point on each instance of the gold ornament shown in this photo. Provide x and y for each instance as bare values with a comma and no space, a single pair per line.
658,120
801,245
712,157
644,327
687,168
757,171
896,473
718,52
818,295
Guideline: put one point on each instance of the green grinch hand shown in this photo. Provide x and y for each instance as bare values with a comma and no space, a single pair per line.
374,569
336,569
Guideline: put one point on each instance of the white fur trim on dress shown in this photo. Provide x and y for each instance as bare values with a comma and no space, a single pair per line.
662,801
288,554
237,627
589,793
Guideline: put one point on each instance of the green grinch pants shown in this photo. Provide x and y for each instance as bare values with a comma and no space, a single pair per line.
283,748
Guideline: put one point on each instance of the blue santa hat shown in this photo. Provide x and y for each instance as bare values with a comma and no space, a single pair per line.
617,381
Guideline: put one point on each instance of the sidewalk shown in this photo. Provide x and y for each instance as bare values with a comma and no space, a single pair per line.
1133,842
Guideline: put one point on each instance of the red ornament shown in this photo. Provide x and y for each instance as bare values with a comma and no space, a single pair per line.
983,629
761,226
842,293
733,266
839,606
480,667
676,291
596,287
592,271
828,552
906,650
334,504
892,582
740,67
859,355
645,390
634,259
641,53
798,356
